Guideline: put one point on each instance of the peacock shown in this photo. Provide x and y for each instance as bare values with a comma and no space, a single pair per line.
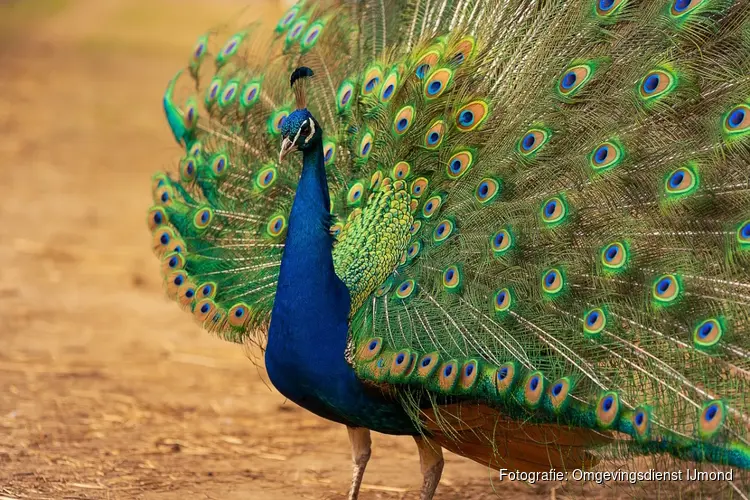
518,230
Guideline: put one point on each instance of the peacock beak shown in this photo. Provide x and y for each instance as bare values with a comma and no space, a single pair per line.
287,146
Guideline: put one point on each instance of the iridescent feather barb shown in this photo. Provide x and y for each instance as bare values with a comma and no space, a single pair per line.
540,211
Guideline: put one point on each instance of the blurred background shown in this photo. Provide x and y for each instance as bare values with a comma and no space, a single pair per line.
107,389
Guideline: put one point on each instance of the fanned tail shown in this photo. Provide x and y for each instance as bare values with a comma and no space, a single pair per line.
579,184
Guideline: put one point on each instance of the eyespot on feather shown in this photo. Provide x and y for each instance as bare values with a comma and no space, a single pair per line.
238,315
666,289
554,211
463,51
212,92
419,186
157,217
198,53
736,122
443,230
711,418
384,288
502,301
469,375
606,156
369,350
204,310
657,84
614,256
390,86
191,114
533,389
401,362
174,280
501,242
401,170
487,190
249,95
219,165
505,378
681,181
186,293
413,250
164,195
415,227
202,218
372,80
553,282
607,409
266,177
459,164
344,96
311,36
681,8
427,364
196,149
230,48
355,194
295,31
641,421
708,333
206,290
426,63
532,142
276,226
437,82
471,116
162,239
434,136
403,120
172,262
448,376
559,394
452,280
406,289
573,80
286,19
743,235
431,206
594,321
188,169
365,145
229,93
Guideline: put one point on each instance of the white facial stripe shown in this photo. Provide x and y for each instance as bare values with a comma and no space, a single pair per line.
312,131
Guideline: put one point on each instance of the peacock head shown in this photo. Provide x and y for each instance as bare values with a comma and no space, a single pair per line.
300,131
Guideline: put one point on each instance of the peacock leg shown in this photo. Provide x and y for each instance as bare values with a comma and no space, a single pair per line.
431,460
359,437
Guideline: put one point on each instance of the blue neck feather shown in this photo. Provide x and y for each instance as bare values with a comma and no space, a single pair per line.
305,355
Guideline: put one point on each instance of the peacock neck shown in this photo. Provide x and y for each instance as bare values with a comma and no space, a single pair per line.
308,285
307,253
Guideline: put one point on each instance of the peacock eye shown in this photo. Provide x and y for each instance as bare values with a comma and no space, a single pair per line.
305,130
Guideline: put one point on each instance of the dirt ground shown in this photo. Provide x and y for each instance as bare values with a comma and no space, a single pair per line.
107,389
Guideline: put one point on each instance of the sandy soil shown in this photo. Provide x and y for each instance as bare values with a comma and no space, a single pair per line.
107,389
